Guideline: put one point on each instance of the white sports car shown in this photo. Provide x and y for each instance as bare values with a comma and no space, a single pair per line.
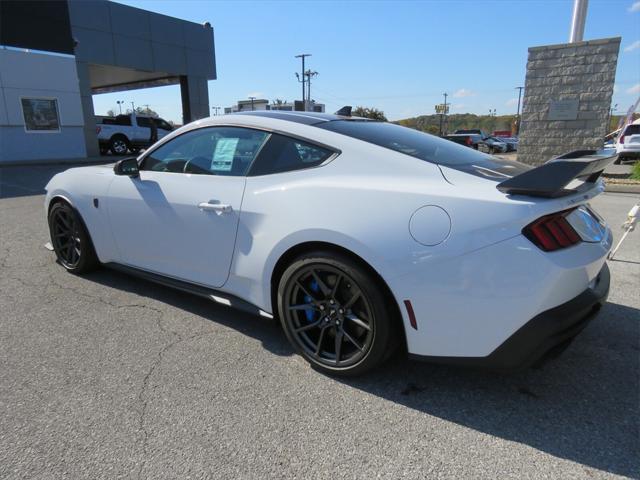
360,236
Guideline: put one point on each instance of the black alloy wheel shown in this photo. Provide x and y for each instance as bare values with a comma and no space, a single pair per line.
334,314
70,239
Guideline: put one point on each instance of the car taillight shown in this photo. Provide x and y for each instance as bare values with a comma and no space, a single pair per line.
469,141
621,139
98,129
552,232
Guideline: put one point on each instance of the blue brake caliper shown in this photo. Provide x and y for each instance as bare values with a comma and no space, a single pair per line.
310,312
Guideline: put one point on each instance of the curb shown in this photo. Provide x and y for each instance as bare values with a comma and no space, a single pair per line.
622,188
77,162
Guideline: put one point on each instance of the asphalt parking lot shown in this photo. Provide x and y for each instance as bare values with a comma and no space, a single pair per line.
107,376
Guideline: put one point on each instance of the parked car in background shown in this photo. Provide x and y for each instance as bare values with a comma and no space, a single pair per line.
512,143
128,132
628,143
472,140
471,131
495,145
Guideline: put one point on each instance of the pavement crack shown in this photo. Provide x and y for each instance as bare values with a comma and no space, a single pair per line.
144,398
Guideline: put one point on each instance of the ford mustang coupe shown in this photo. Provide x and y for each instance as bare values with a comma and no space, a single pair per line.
359,236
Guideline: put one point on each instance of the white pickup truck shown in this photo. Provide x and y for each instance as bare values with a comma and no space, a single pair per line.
628,143
129,132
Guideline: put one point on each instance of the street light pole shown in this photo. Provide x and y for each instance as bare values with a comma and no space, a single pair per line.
120,102
578,20
252,99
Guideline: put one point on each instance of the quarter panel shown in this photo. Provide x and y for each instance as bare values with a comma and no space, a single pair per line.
80,186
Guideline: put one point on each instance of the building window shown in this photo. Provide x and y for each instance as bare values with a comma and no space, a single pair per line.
40,114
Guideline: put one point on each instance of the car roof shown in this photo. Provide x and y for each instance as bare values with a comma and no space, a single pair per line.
306,118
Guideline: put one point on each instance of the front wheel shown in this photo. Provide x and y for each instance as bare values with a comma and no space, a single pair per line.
334,313
70,239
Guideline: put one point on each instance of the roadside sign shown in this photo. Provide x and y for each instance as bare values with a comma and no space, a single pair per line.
442,108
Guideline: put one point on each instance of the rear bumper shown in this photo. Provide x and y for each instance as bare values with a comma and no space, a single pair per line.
541,335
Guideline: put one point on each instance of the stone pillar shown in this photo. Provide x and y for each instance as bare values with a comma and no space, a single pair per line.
567,96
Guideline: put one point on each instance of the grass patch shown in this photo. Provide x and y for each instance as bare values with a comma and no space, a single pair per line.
635,173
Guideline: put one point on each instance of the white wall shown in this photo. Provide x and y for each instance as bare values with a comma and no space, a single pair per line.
30,74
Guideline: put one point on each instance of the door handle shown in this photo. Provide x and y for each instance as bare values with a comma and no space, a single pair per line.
215,207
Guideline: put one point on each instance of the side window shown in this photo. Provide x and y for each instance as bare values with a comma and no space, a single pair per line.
284,154
123,120
143,121
162,124
208,151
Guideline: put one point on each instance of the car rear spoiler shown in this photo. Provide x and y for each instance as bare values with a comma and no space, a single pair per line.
550,180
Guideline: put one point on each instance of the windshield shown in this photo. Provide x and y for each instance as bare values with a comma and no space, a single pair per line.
425,147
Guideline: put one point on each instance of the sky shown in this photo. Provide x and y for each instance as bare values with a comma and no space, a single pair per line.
397,56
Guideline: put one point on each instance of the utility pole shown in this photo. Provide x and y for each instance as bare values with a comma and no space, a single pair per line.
518,112
133,108
309,74
612,110
252,99
303,56
215,109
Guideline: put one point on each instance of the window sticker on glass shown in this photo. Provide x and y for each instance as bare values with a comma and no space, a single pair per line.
223,155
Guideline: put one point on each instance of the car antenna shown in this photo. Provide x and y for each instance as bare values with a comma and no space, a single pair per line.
344,111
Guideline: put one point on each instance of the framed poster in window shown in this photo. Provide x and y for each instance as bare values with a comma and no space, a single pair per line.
40,114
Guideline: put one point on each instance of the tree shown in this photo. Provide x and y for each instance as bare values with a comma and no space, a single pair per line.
111,113
147,112
367,112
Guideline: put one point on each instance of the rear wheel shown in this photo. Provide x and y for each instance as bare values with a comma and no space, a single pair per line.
334,313
70,239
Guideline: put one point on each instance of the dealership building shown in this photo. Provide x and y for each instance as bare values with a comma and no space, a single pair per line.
54,55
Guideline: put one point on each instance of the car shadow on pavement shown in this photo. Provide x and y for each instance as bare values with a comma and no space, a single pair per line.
266,330
582,406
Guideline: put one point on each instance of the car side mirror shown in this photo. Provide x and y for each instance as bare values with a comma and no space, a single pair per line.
127,166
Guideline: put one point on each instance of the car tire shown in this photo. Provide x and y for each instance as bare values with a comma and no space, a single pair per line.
71,241
119,145
335,313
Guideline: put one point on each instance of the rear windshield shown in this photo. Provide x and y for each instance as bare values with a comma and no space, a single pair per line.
426,147
632,130
407,140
